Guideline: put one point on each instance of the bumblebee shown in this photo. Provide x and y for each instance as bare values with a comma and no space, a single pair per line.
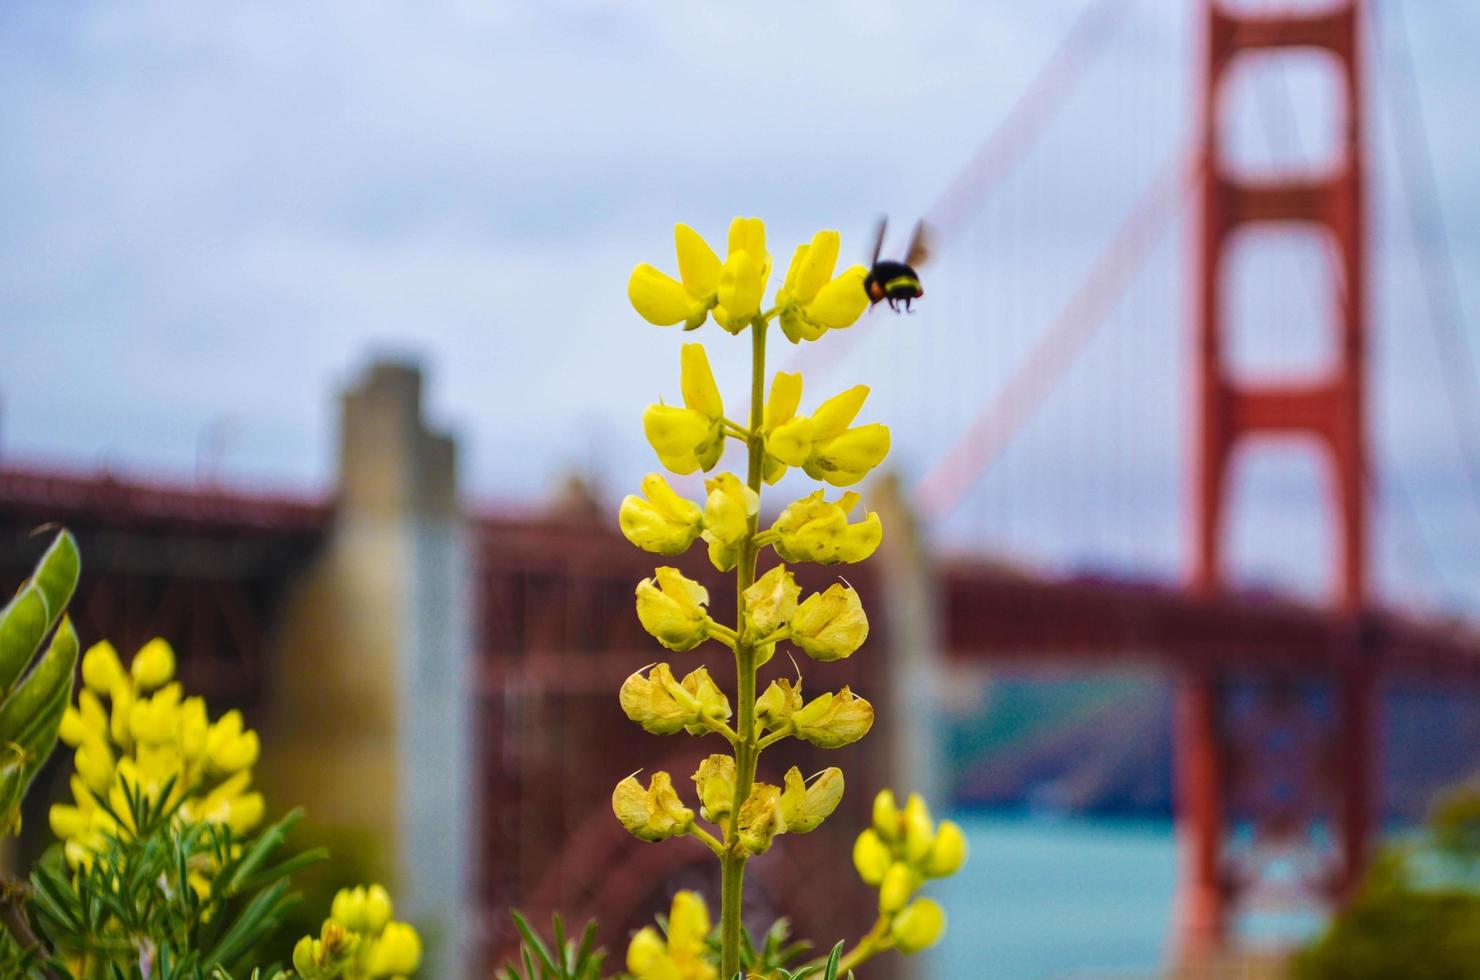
894,281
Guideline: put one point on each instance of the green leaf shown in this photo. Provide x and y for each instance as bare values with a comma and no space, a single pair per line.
41,685
23,625
831,972
56,574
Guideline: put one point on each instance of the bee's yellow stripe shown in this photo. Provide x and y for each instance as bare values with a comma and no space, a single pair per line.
898,281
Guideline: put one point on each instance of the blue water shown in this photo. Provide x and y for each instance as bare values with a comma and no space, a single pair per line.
1057,898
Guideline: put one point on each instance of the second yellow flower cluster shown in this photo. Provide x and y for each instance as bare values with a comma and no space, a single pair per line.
150,736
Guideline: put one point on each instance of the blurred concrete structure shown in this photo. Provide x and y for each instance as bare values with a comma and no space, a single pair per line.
369,719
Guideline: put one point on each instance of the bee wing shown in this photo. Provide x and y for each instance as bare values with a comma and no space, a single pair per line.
879,230
921,242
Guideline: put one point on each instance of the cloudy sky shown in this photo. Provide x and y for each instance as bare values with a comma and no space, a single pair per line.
213,218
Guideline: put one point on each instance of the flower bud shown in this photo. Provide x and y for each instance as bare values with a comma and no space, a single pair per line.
348,908
715,782
886,816
947,853
919,830
771,601
156,720
303,959
920,925
651,814
778,703
671,608
229,747
378,908
664,523
805,806
101,669
830,625
812,529
871,857
397,952
657,702
728,511
153,665
899,883
833,720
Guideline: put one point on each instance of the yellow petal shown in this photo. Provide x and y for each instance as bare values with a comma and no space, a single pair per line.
101,669
659,299
918,926
791,442
786,395
857,450
837,413
153,665
742,284
688,924
749,235
698,266
817,267
675,433
700,393
841,302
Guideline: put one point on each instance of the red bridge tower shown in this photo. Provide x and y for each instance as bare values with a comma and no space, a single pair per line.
1329,410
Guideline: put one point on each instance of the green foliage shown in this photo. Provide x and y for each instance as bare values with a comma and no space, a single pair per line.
564,959
176,901
1417,916
32,703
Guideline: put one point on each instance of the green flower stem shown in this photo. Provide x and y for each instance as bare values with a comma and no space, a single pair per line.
771,739
715,725
736,430
732,866
709,840
722,633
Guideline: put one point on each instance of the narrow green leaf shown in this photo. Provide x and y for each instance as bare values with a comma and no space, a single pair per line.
41,685
23,625
56,574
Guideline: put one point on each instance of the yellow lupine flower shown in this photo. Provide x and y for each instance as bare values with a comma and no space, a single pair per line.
662,301
838,454
771,601
822,444
919,925
805,805
153,665
742,280
715,782
728,511
652,814
663,705
830,625
692,437
671,608
815,529
871,857
834,719
396,952
101,669
664,523
811,300
681,955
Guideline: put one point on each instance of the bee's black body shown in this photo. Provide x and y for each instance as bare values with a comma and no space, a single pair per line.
893,281
896,282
